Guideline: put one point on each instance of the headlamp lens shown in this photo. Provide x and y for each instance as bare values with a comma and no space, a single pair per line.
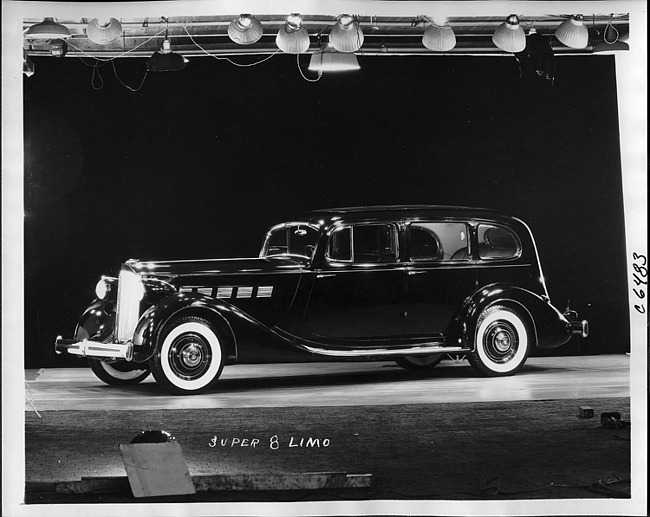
101,289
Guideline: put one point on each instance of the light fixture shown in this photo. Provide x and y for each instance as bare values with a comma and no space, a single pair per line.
58,47
48,29
509,36
292,37
166,60
103,32
245,30
329,60
439,38
573,32
28,65
346,35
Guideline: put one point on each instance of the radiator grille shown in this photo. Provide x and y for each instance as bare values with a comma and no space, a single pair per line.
129,294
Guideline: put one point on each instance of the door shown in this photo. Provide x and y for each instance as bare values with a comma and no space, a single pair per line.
358,297
440,275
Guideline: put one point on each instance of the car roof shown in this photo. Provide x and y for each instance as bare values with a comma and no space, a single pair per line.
402,211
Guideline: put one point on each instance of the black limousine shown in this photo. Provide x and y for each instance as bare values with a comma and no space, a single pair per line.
404,283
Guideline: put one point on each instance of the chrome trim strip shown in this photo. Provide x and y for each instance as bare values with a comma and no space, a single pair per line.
492,266
244,292
224,292
424,349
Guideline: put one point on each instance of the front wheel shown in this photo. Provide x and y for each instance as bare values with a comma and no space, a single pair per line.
190,359
502,341
119,372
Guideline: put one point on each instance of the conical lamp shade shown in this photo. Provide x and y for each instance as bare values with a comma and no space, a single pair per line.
439,39
573,32
292,41
509,36
346,35
329,60
103,33
48,29
245,30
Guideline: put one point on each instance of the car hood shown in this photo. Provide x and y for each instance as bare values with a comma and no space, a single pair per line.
174,268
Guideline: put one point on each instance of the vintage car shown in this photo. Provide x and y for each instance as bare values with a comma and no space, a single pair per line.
411,284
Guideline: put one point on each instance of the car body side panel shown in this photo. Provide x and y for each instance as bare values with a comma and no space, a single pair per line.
353,304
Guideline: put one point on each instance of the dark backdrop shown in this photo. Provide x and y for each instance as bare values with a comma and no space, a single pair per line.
199,163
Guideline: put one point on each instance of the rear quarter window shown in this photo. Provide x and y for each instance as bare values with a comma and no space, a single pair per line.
497,242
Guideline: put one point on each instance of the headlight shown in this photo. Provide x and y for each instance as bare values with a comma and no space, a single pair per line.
102,288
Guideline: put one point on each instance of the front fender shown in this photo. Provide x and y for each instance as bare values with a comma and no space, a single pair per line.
154,319
550,327
96,323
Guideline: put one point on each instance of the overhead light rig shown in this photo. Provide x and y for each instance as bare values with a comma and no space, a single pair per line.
249,34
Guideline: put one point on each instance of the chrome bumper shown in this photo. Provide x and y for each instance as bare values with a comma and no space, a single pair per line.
580,327
88,348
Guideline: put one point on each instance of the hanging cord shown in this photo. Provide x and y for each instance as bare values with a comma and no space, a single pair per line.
218,58
126,85
320,72
612,28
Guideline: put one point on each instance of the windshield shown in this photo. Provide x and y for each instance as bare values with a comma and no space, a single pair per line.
290,239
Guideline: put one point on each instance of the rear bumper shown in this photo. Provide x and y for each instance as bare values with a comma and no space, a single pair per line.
98,349
580,328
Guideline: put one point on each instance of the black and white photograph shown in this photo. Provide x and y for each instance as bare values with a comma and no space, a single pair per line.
355,257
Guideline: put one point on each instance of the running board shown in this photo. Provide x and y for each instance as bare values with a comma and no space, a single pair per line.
422,349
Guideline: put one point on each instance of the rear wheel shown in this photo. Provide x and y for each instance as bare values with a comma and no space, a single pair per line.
118,372
419,362
502,341
189,359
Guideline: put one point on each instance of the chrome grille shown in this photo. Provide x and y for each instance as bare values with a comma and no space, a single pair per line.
129,294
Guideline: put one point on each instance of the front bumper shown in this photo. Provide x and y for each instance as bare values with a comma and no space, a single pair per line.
88,348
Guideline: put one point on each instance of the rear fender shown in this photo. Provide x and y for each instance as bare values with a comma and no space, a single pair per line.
152,322
550,328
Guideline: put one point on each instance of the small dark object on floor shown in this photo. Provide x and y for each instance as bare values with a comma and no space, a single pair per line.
153,436
613,420
586,412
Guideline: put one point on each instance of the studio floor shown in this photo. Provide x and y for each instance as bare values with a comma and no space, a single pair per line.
444,435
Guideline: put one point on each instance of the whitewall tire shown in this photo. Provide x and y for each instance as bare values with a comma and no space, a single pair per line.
189,359
502,342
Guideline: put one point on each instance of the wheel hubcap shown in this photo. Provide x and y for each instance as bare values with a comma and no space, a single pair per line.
500,341
189,356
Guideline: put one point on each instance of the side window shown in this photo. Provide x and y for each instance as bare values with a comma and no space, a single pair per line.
277,242
438,241
497,242
364,244
340,247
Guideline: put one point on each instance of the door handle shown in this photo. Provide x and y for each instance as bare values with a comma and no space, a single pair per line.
325,275
411,273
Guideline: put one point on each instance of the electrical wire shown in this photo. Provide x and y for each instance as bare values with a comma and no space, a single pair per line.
126,85
320,73
218,58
